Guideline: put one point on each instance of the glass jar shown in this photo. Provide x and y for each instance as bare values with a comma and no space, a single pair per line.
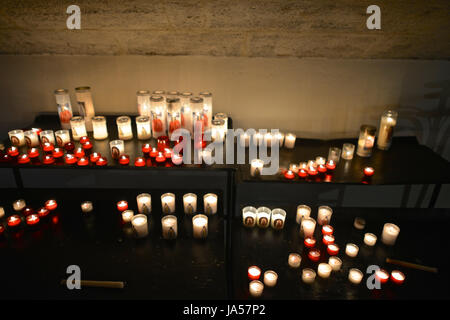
124,128
174,114
62,137
64,107
387,123
186,112
17,137
334,154
348,149
117,148
158,110
143,102
31,138
143,127
207,108
366,140
85,105
47,136
197,112
99,127
217,130
78,128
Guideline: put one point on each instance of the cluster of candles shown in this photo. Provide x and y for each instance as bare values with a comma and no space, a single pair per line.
169,220
256,287
263,217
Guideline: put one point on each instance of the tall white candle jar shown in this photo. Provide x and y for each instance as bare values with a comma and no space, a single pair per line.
64,107
161,93
200,226
62,137
278,218
390,234
280,137
307,227
186,112
263,217
334,154
31,138
386,131
169,227
207,108
173,114
144,203
158,110
47,136
117,147
124,129
324,215
303,211
289,141
197,111
140,225
168,203
99,127
217,130
17,137
85,105
249,216
210,203
190,203
143,128
78,128
143,102
366,140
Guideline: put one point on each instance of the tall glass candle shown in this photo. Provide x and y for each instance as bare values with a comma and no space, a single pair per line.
210,203
289,141
390,234
117,148
303,211
144,203
307,227
144,131
366,140
190,203
31,138
64,107
78,128
173,114
99,127
124,129
207,108
278,218
324,215
217,130
186,112
169,227
200,226
249,216
386,131
62,137
168,203
158,111
348,149
263,217
256,166
143,102
140,225
85,105
334,154
17,137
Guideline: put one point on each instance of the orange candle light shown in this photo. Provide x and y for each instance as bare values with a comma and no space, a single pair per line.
124,159
32,219
382,275
23,158
309,242
327,230
254,273
369,171
94,157
328,239
333,249
48,159
102,161
51,204
139,162
13,221
70,159
82,162
13,151
57,153
122,205
397,276
33,153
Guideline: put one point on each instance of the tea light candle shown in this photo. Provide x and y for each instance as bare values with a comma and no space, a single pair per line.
277,219
19,204
348,150
359,223
289,141
51,204
263,217
210,203
117,148
31,138
320,161
48,159
335,263
87,206
190,203
303,211
2,212
94,157
17,137
83,161
256,288
328,239
23,158
27,211
244,139
351,250
69,146
122,205
327,230
355,276
270,278
99,127
253,273
47,136
32,219
79,152
127,215
322,168
168,203
70,159
57,153
78,128
294,260
333,249
144,203
294,167
138,162
307,227
314,255
13,221
249,216
143,128
312,168
324,270
370,239
308,275
309,242
140,225
369,171
169,227
331,165
87,145
382,275
160,158
390,234
324,215
124,128
397,277
13,151
289,175
200,226
43,212
101,162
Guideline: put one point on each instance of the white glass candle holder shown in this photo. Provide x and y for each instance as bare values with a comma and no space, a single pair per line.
270,278
158,110
263,217
62,137
366,140
169,227
173,114
207,108
31,138
256,288
256,166
324,215
307,227
303,211
186,112
320,161
334,154
308,275
143,102
19,204
351,250
117,148
370,239
78,128
140,225
324,270
390,234
210,203
85,105
335,263
127,215
17,137
217,130
144,203
280,137
87,206
278,218
294,260
168,203
190,203
359,223
294,167
99,127
249,216
144,131
289,141
348,149
124,129
200,226
47,136
355,276
64,107
386,131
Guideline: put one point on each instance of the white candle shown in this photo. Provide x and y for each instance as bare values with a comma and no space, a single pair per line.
143,102
85,105
320,160
190,203
289,141
370,239
140,226
127,215
47,136
335,263
355,276
351,250
348,149
324,215
124,128
256,166
308,275
280,137
210,203
144,203
19,204
386,131
278,218
200,226
366,141
158,109
169,227
168,203
270,278
294,260
249,216
303,211
324,270
334,154
87,206
100,128
78,128
307,227
390,234
294,167
117,148
263,217
2,212
17,137
31,138
359,223
256,288
267,138
143,127
62,137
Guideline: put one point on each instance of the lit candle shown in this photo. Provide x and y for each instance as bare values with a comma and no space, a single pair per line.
79,152
47,136
177,159
143,102
333,249
69,146
303,211
348,150
308,275
351,250
31,138
210,203
324,270
146,148
309,242
327,230
369,171
144,203
13,151
294,167
359,223
322,168
366,140
314,255
256,166
307,227
168,203
23,158
200,226
124,128
390,234
17,138
169,227
102,161
386,131
263,217
83,162
19,204
140,225
190,203
43,212
51,204
78,128
100,128
62,137
370,239
87,145
253,273
289,141
117,148
70,159
13,221
122,205
94,157
324,215
397,276
280,137
334,154
87,206
355,276
331,165
57,153
294,260
138,162
382,275
277,219
312,168
320,161
289,175
335,263
2,212
27,211
256,288
32,219
48,159
143,128
328,239
85,105
270,278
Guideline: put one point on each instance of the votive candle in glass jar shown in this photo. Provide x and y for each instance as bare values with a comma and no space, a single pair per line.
124,129
294,260
19,204
143,102
190,203
390,234
294,167
144,203
277,219
280,137
87,206
263,217
303,211
249,216
334,154
31,138
386,131
270,278
308,275
370,239
140,225
224,117
307,227
62,137
158,111
78,128
173,114
85,105
169,227
168,203
117,148
17,137
289,141
47,136
186,112
256,288
99,127
348,149
355,275
143,128
200,226
207,108
320,161
335,263
210,203
351,250
127,215
217,130
64,107
366,140
324,270
256,166
324,215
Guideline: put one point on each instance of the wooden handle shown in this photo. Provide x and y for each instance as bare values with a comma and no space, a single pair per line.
99,284
411,265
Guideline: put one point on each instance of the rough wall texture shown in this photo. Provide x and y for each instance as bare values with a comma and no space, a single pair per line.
266,28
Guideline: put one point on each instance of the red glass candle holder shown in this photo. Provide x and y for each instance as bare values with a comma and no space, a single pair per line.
309,242
321,168
177,159
84,140
48,159
397,277
6,158
333,249
82,162
146,148
168,153
312,171
33,153
23,159
13,221
69,146
48,147
124,159
302,173
122,205
289,175
253,273
369,171
13,151
51,204
382,275
70,158
328,239
32,219
163,142
327,230
79,152
139,162
87,145
43,212
27,211
331,165
160,157
58,153
314,255
154,153
101,162
94,157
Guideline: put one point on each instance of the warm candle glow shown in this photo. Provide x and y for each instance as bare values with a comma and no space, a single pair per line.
355,276
254,273
294,260
351,250
270,278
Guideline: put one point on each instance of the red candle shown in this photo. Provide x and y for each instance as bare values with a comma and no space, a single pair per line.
139,162
95,156
69,146
13,221
369,171
102,161
79,152
168,153
146,148
6,158
154,153
397,276
33,153
122,205
163,143
51,204
331,165
124,159
13,151
23,158
322,168
57,153
87,146
70,158
177,159
309,242
327,230
333,249
302,173
160,157
32,219
84,140
289,175
254,273
314,255
43,212
83,161
312,171
382,275
48,159
328,239
27,211
48,147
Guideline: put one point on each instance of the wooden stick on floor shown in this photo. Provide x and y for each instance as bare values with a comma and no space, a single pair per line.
99,284
411,265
